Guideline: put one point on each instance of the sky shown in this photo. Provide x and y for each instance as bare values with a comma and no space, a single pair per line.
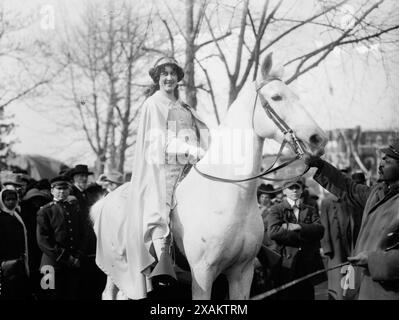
352,87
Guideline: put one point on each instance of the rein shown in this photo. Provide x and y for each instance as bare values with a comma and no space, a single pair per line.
295,144
296,281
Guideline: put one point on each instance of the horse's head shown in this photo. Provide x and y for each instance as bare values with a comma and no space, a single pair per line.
272,90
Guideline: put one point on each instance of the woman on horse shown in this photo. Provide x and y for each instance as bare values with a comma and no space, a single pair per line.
170,138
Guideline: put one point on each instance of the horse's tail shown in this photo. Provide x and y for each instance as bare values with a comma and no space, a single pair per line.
96,210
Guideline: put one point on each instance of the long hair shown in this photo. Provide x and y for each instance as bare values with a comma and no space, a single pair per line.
155,75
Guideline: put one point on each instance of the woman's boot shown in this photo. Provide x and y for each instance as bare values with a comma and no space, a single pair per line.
164,272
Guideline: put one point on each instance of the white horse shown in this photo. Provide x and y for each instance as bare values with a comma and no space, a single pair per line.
217,225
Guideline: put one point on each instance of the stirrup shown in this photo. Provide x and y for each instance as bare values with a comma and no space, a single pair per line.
164,268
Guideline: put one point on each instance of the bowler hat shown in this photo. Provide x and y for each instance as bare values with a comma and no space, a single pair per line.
115,177
393,150
79,169
60,181
164,61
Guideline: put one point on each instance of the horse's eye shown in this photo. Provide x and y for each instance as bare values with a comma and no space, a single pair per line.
277,97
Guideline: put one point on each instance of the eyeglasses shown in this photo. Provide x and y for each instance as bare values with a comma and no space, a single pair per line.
294,187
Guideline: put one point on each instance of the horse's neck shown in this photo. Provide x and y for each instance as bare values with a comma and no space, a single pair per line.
236,150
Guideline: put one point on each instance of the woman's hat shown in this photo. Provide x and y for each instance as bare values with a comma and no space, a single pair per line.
115,177
266,189
163,61
12,179
32,193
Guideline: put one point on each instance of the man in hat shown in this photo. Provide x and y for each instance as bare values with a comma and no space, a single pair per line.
94,279
79,175
263,274
296,231
265,196
376,254
341,222
114,179
62,237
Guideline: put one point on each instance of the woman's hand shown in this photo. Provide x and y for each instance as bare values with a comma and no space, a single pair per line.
195,153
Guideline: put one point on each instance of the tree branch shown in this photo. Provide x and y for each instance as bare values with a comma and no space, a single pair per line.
199,46
211,91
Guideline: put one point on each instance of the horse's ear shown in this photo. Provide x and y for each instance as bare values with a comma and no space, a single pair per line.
267,65
277,72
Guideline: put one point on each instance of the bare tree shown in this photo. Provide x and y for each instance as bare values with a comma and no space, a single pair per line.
103,59
362,27
327,16
25,71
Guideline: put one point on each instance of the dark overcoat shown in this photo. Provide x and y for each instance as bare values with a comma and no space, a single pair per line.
13,282
378,232
61,232
300,248
341,222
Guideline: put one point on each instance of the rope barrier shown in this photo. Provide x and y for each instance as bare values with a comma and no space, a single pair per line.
294,282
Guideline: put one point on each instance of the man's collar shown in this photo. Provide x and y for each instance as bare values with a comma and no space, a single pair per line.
77,187
59,200
292,202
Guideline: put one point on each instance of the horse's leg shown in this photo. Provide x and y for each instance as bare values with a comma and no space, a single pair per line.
110,291
240,280
202,280
121,296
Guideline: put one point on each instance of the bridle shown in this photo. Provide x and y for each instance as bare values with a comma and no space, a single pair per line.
295,143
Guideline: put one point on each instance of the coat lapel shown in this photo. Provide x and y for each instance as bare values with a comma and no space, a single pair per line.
303,212
287,211
381,197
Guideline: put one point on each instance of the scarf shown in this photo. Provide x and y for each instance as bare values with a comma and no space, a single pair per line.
13,213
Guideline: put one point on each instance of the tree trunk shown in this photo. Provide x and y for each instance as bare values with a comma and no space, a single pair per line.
126,117
112,149
191,94
233,93
112,97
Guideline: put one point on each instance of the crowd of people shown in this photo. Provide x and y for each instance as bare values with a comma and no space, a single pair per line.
47,243
46,223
